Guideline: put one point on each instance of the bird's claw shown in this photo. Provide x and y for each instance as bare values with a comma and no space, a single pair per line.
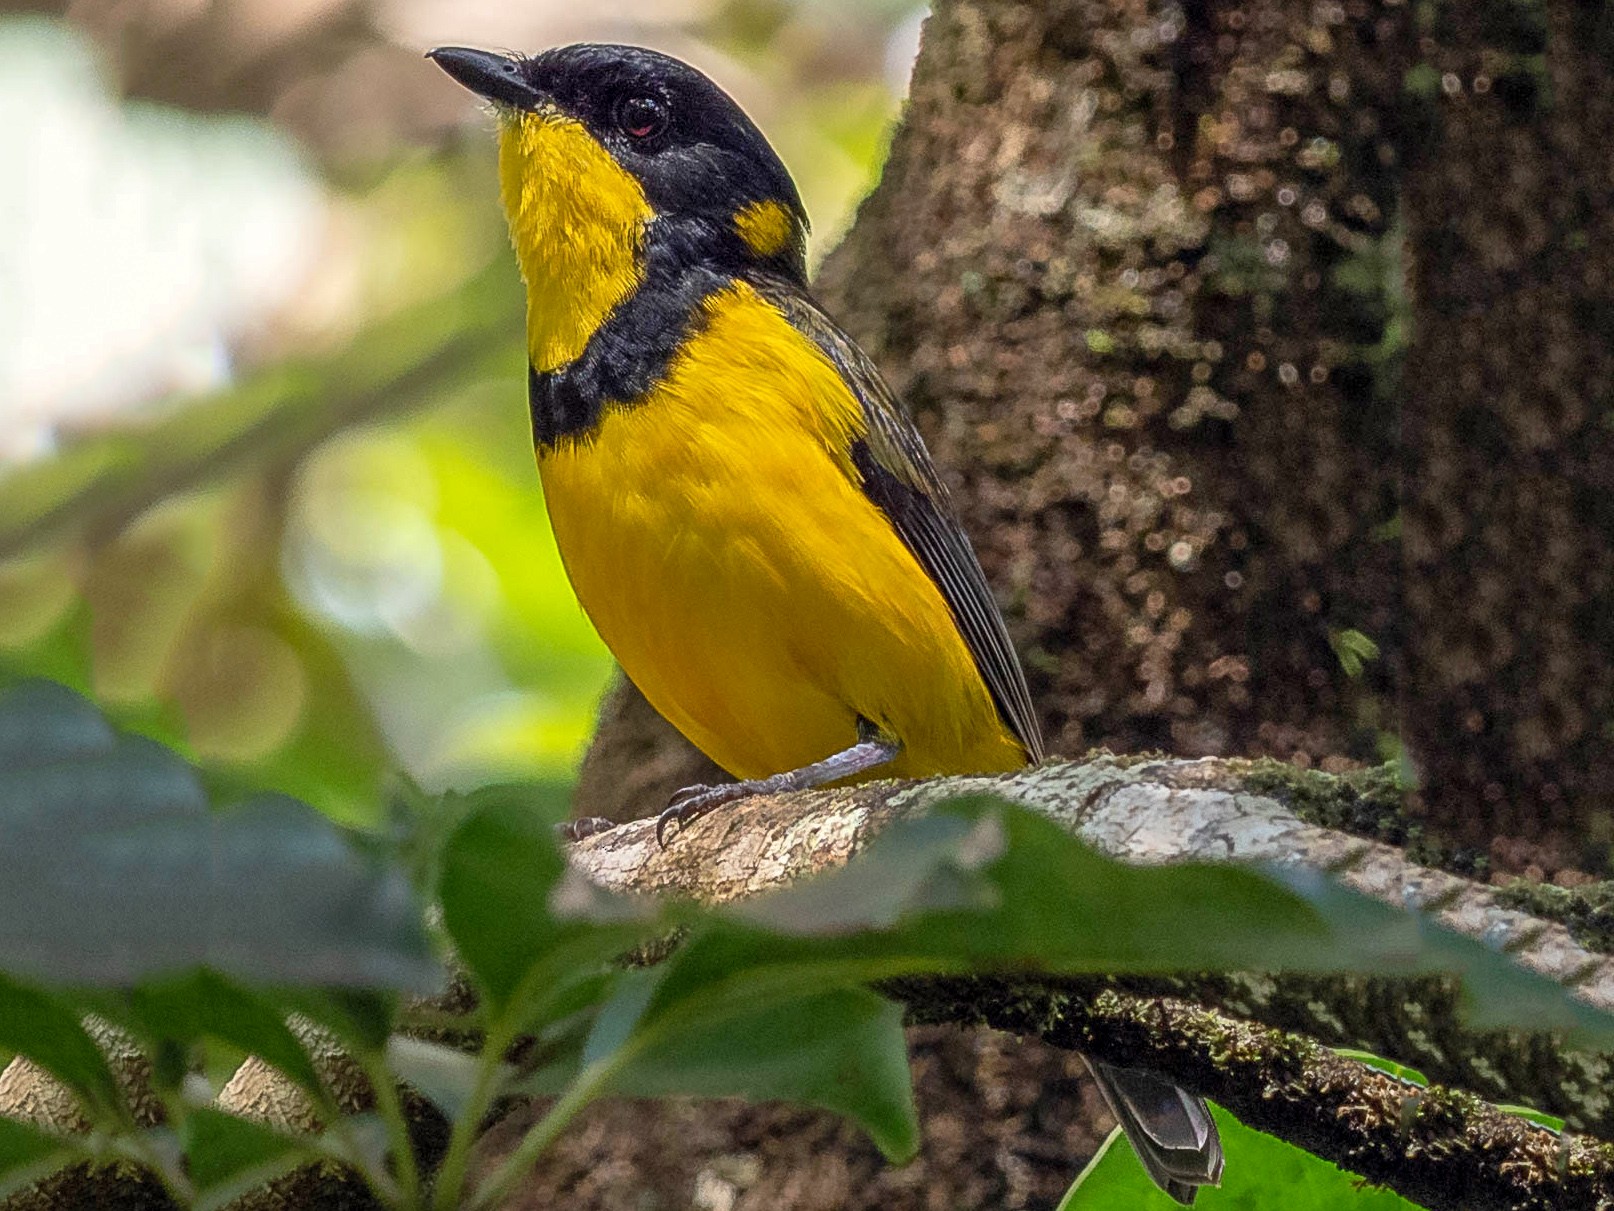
690,804
584,826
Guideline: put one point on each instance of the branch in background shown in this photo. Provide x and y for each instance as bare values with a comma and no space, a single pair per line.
98,485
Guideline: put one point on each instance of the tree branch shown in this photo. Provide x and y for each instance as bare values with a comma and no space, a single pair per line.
1233,1038
1138,810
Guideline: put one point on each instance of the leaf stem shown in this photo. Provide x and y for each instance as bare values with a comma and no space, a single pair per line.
390,1107
451,1173
588,1085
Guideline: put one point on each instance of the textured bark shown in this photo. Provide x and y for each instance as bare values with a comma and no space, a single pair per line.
1123,266
636,760
1509,464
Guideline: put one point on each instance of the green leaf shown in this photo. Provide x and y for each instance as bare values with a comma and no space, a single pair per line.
1500,994
498,870
203,1004
443,1075
1353,650
522,929
1057,905
980,884
1030,897
115,869
28,1154
1262,1173
38,1026
1062,905
843,1050
227,1156
1400,1071
697,1026
620,1015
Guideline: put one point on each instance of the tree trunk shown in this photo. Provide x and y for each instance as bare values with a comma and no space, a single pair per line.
1509,449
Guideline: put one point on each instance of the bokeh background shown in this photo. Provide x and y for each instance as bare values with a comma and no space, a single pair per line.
266,488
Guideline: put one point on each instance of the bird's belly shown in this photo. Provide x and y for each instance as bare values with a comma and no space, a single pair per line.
759,600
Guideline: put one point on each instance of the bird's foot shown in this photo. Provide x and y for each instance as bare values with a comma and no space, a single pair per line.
693,802
586,826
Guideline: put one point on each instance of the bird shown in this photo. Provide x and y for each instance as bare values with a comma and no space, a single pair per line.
745,510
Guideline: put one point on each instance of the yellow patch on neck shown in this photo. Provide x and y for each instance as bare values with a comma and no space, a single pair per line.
768,228
577,221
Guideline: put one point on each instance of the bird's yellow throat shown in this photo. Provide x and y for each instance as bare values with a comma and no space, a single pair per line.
577,222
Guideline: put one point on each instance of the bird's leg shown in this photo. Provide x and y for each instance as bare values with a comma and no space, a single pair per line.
871,749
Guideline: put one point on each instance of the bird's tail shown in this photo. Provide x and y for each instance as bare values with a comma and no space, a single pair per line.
1169,1128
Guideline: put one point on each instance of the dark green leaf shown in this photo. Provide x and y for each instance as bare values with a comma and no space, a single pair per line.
114,870
621,1014
985,885
1063,905
843,1050
205,1005
498,870
1048,902
27,1154
40,1027
502,875
1500,994
228,1155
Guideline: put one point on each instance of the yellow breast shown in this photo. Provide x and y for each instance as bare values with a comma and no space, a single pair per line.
577,222
716,536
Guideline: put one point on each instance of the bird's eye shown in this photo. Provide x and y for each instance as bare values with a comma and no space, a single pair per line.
641,117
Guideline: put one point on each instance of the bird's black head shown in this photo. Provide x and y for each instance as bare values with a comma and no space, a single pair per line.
694,153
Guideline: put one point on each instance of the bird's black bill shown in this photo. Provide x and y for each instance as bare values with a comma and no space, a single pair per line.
496,77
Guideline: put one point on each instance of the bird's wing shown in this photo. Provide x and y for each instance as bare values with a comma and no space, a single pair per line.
898,476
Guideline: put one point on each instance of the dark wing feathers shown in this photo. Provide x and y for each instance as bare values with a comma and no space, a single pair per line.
898,476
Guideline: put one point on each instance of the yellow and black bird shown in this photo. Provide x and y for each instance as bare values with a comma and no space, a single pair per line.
747,514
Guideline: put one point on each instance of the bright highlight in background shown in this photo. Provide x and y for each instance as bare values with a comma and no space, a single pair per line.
141,242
